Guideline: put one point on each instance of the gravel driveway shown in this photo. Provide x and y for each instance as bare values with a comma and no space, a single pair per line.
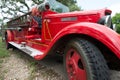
20,66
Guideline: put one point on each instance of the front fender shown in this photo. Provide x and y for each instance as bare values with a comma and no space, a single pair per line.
100,32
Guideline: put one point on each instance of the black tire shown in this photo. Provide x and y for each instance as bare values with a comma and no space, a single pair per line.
91,61
9,46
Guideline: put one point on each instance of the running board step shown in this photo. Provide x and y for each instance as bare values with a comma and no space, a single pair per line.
29,50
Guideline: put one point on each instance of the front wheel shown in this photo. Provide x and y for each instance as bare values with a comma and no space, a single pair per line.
84,61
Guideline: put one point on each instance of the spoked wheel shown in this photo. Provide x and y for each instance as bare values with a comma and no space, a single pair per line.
83,61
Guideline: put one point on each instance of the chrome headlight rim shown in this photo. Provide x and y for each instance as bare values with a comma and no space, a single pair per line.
106,20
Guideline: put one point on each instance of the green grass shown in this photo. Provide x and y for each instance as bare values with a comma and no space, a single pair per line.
3,51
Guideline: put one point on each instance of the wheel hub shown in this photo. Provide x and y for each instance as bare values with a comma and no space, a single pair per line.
74,65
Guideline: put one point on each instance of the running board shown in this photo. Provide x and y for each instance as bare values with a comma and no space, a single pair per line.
29,50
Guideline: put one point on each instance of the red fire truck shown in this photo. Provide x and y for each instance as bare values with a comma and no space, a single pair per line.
85,39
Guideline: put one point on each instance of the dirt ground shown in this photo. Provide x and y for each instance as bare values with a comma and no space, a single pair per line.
20,66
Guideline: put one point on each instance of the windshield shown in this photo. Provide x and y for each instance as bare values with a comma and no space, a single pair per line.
57,6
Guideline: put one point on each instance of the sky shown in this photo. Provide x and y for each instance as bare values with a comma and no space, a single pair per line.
114,5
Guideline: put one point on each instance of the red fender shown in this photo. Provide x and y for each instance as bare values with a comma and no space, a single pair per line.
100,32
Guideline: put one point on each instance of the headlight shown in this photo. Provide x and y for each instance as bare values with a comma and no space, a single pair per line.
106,20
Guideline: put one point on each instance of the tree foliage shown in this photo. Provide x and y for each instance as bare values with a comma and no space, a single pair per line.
116,20
71,4
15,7
12,8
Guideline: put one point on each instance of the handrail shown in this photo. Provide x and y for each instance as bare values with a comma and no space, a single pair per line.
20,21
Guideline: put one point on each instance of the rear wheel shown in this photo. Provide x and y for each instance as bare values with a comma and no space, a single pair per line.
84,61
